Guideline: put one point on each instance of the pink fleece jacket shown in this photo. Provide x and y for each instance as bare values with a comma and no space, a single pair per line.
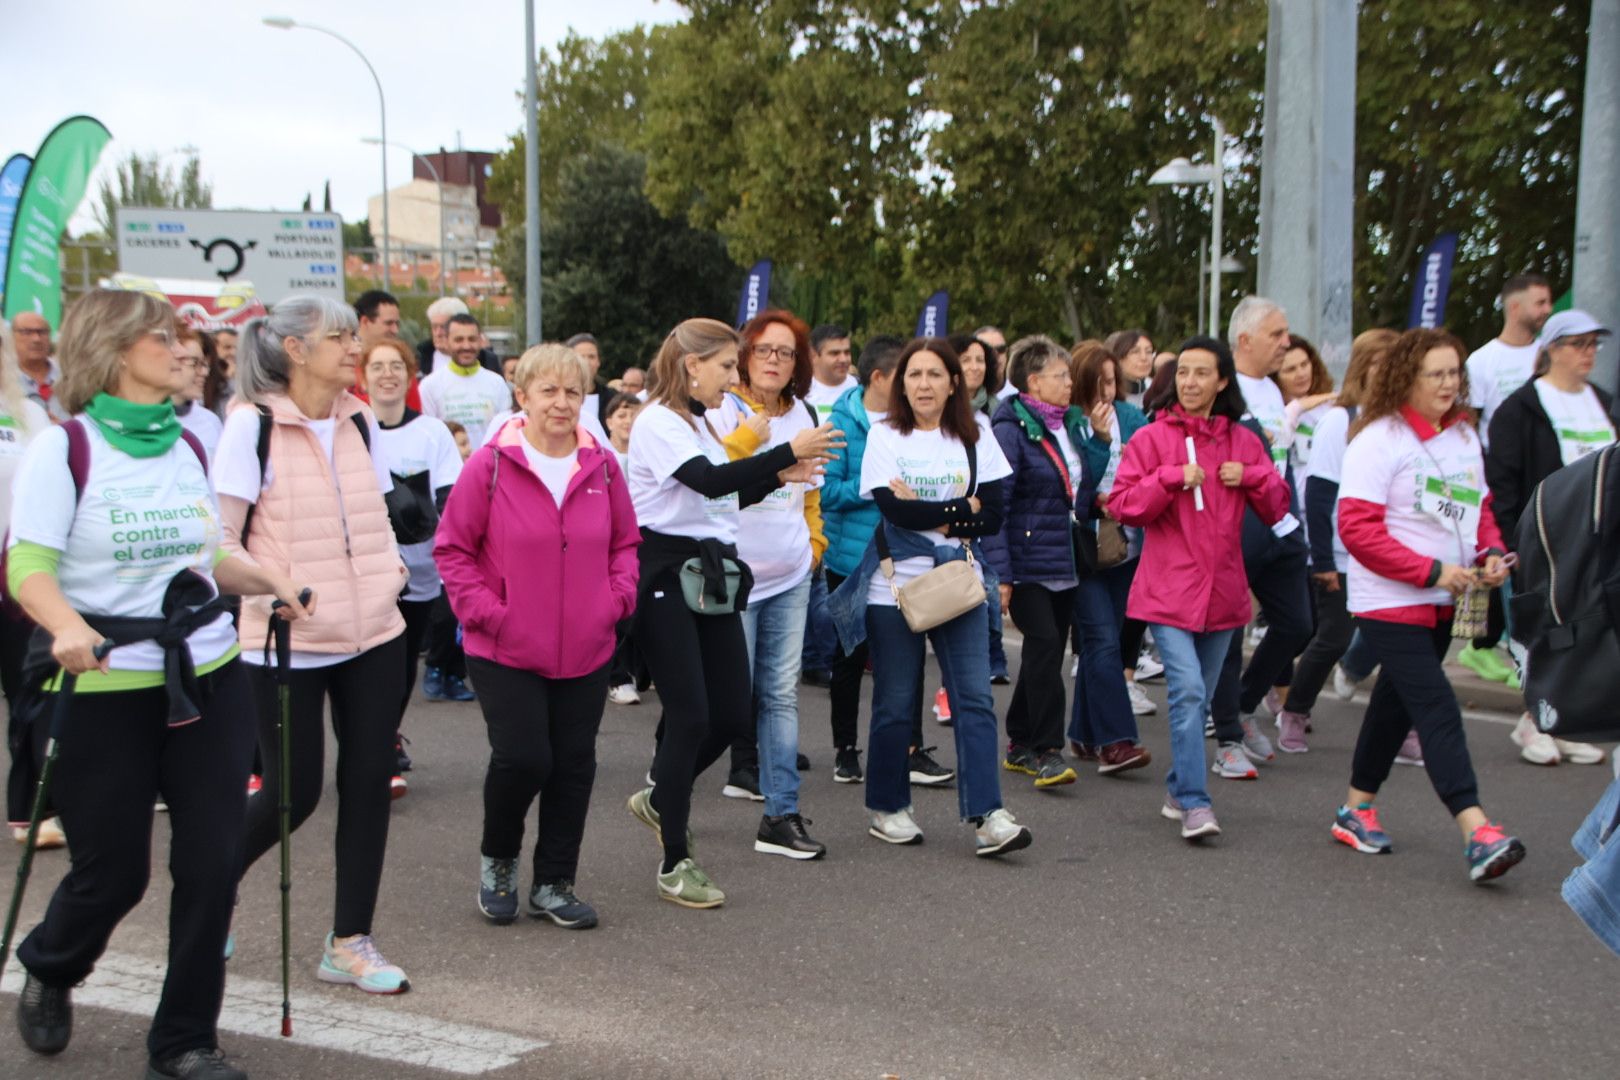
1192,575
537,586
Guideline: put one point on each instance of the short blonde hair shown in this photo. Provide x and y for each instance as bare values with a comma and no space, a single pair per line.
100,327
552,359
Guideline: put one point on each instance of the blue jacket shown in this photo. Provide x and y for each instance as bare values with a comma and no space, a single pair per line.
847,604
1036,542
849,519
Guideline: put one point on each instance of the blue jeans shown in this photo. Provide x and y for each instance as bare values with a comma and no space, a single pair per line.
1192,667
820,639
998,653
964,666
1592,891
1102,712
774,631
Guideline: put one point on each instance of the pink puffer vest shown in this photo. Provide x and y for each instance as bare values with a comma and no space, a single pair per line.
334,538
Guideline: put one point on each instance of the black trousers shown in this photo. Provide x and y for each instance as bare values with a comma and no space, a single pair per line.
627,667
24,738
1283,591
1334,628
542,742
418,618
847,672
1413,691
443,650
700,666
365,717
118,756
1035,717
1131,634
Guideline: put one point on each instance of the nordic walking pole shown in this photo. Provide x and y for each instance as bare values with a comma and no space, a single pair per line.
283,634
53,750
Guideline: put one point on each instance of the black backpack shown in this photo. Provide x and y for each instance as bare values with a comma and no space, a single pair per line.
1566,602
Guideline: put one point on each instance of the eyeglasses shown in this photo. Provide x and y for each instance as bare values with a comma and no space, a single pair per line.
196,363
786,352
343,337
1585,343
32,331
1443,375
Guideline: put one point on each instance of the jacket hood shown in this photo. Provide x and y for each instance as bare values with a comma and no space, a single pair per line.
511,436
1215,427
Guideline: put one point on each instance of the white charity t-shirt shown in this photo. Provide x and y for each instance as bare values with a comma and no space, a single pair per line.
824,397
1432,493
420,444
235,470
660,443
470,400
1302,436
16,432
1116,450
202,422
554,472
1577,419
773,537
1327,463
1495,370
1264,400
138,523
935,466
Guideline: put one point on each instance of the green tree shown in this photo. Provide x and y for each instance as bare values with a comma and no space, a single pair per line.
357,235
143,180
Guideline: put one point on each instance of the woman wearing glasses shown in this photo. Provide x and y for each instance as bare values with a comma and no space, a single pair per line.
1556,418
194,415
302,495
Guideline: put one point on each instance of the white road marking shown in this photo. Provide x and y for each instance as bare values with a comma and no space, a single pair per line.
377,1029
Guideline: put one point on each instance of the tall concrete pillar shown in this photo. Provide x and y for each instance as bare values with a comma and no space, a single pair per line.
1307,170
1597,218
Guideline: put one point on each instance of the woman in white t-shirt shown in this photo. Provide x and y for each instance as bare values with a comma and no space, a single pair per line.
422,460
1417,521
936,478
693,586
781,539
1307,390
194,416
115,537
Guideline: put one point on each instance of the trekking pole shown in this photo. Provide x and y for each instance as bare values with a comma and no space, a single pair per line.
42,794
283,634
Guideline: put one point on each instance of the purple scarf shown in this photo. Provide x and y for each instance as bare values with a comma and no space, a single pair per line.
1050,415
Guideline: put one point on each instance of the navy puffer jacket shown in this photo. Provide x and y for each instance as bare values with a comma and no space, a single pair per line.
1036,542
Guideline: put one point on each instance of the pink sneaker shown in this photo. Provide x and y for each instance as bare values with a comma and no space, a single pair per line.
1291,728
1411,753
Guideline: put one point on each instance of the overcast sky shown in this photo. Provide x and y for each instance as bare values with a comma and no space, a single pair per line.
276,113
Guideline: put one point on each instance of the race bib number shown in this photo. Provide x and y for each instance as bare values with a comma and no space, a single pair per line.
1279,458
1453,504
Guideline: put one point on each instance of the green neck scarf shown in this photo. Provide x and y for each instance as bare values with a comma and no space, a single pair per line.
981,398
138,430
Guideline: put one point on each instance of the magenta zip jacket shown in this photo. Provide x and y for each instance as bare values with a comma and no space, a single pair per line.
538,587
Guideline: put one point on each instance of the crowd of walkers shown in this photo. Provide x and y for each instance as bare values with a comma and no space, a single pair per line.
747,514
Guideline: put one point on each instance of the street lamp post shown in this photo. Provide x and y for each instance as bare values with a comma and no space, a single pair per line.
444,248
1180,171
282,22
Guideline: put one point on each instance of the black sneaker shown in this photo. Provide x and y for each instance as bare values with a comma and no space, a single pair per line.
743,784
555,900
198,1064
1021,759
785,835
928,772
1001,678
821,680
45,1016
403,760
803,763
847,766
497,889
1051,770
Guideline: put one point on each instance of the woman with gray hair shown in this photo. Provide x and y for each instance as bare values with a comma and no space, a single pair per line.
302,495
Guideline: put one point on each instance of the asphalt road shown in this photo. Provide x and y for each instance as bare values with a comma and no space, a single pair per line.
1111,948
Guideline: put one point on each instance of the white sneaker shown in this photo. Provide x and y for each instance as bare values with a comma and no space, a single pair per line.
624,694
1000,834
1343,687
896,828
1578,753
1074,669
1147,667
1257,634
1141,705
1535,745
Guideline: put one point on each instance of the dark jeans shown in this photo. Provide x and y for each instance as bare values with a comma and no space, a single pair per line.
820,639
847,672
1413,691
443,650
542,741
418,617
118,756
627,667
365,717
1282,588
1035,716
1102,710
700,665
1334,626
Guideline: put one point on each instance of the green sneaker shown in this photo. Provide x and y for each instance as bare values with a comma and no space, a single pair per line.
641,806
1485,663
688,886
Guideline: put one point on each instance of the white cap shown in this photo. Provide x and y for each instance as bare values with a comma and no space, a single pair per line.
1571,323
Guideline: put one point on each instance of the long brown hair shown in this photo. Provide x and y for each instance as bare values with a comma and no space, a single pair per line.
666,375
1369,347
1086,362
958,417
1390,387
1321,377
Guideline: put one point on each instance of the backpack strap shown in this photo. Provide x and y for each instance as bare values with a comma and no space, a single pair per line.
78,456
266,426
196,448
365,430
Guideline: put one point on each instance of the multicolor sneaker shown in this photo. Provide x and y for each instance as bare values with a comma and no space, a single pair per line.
1359,827
1491,853
356,962
1291,728
1231,763
1255,743
397,787
497,889
640,804
689,886
942,706
555,900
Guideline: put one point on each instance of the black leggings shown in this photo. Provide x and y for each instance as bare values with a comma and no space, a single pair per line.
118,756
365,717
1334,628
542,741
443,650
1131,634
700,665
1045,616
418,616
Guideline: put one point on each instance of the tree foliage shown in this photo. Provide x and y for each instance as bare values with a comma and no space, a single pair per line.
143,180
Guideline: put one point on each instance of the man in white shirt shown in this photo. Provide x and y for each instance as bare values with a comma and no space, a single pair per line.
830,358
1503,364
463,390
